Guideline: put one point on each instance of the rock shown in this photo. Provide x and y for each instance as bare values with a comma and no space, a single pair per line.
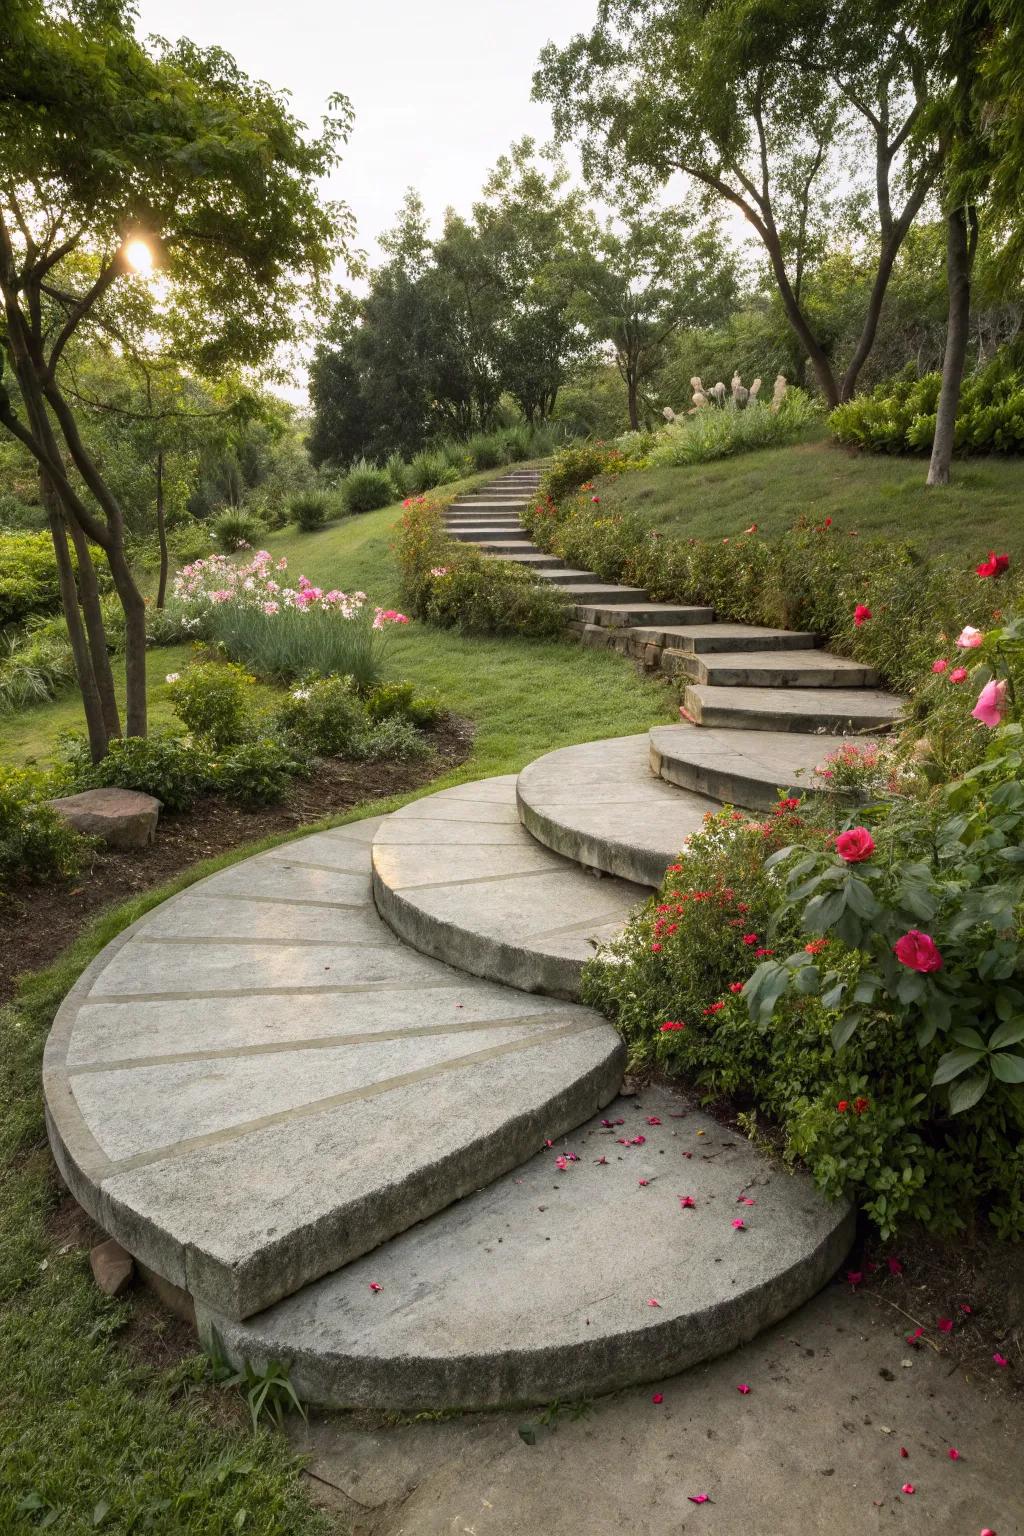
112,1267
123,818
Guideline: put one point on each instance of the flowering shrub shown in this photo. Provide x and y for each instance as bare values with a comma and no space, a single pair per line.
283,631
453,586
36,843
323,717
717,434
744,976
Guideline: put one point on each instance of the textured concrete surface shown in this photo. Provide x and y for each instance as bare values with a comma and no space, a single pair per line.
812,1450
510,911
541,1286
740,767
484,533
600,805
258,1082
724,637
774,669
123,818
793,709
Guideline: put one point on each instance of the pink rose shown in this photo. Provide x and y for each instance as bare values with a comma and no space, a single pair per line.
991,703
856,845
969,638
958,675
940,665
918,952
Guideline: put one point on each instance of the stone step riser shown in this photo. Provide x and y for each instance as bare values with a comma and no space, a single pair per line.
614,616
698,669
807,717
533,562
741,769
704,640
501,536
599,593
731,788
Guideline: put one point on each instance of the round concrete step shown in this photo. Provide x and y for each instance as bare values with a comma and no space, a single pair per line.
564,1282
793,709
457,877
599,805
257,1082
746,768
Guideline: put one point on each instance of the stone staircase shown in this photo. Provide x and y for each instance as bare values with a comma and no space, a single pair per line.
344,1094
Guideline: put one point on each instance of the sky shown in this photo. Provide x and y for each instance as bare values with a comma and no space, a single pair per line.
440,87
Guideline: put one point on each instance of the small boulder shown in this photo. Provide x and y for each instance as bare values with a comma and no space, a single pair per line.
112,1267
123,818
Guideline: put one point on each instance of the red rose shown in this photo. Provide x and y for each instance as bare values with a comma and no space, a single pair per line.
860,615
856,845
995,565
843,1106
917,951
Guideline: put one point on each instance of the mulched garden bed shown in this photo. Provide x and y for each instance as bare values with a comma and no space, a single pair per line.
40,921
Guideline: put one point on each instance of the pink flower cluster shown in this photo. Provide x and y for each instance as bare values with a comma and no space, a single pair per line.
217,579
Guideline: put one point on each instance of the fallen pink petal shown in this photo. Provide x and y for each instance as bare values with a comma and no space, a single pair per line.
659,1397
895,1267
743,1388
1000,1359
945,1325
739,1224
699,1498
908,1488
652,1301
903,1451
687,1202
374,1286
954,1454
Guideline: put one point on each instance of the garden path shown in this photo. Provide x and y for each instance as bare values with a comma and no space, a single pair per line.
343,1093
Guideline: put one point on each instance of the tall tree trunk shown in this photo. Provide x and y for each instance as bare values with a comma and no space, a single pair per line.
134,641
631,399
89,595
161,529
94,720
961,240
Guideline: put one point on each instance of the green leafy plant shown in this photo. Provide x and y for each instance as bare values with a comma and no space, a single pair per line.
323,717
400,698
898,416
395,740
268,1390
308,510
213,701
254,773
177,772
236,530
366,488
36,842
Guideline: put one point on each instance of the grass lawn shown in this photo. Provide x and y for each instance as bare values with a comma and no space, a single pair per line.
873,493
92,1436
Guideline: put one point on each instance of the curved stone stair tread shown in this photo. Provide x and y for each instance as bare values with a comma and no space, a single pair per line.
457,877
779,669
600,805
257,1082
830,710
739,767
723,636
539,1286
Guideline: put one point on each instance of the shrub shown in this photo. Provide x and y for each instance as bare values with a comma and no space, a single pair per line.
236,530
28,576
36,843
429,469
898,416
841,1041
323,717
717,434
309,510
365,488
177,772
395,740
213,701
397,472
454,587
254,773
173,624
390,699
485,450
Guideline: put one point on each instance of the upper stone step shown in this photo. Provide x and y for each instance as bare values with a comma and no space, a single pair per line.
566,576
491,533
624,615
506,545
748,768
691,638
256,1083
599,805
775,669
522,554
457,877
495,504
835,710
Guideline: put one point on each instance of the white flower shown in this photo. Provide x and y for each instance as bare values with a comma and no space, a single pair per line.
172,677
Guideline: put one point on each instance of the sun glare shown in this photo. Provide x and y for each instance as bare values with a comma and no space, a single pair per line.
139,256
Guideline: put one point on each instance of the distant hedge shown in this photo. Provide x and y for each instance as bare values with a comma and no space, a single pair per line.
28,576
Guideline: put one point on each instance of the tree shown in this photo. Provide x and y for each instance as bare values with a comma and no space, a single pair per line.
637,288
765,106
113,159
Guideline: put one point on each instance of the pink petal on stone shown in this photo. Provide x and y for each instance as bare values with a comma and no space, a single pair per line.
954,1454
659,1397
945,1325
1000,1359
908,1488
652,1301
699,1498
743,1388
374,1286
739,1224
